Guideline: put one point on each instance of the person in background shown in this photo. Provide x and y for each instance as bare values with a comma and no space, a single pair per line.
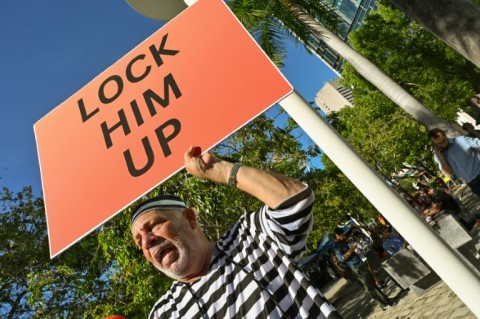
458,156
346,254
470,129
439,201
377,243
392,243
444,203
364,247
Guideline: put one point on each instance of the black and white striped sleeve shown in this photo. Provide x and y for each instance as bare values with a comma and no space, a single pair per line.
290,223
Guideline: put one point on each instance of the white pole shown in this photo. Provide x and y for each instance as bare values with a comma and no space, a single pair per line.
443,260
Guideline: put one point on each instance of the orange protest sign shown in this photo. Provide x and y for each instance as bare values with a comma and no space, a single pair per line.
194,81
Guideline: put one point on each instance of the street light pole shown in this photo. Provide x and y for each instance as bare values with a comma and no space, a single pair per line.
163,10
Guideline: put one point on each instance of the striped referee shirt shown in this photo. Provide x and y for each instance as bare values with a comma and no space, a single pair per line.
253,273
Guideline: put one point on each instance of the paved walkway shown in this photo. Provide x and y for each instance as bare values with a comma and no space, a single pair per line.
437,302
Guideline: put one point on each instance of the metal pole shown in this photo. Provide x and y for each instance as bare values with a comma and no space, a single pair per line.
434,250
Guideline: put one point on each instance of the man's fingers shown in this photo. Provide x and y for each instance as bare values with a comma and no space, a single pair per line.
189,157
188,152
193,151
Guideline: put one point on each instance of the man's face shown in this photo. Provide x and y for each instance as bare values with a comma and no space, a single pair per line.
168,241
340,237
385,234
440,141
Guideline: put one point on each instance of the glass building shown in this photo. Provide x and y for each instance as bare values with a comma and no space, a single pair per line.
351,13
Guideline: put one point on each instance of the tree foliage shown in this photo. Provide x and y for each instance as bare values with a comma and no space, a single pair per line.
272,22
431,71
336,198
23,234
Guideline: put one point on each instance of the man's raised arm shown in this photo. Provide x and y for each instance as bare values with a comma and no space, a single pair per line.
271,188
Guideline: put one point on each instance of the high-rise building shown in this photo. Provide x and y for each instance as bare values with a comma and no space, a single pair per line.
332,97
351,14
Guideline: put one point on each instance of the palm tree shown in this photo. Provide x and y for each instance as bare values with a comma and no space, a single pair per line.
269,20
455,22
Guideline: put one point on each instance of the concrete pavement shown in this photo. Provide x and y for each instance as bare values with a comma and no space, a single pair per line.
439,302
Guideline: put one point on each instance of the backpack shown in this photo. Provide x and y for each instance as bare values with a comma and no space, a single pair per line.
340,267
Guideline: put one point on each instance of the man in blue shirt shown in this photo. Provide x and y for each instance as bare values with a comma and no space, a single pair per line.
458,156
346,254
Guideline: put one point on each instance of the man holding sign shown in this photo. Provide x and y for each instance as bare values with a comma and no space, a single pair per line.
250,272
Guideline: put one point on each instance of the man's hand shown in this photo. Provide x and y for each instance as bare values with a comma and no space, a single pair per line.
445,167
350,252
206,166
425,213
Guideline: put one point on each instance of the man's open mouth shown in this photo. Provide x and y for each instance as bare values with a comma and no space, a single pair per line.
164,255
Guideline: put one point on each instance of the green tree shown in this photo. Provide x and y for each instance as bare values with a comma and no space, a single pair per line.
273,22
32,286
455,22
256,15
383,134
425,66
335,199
22,235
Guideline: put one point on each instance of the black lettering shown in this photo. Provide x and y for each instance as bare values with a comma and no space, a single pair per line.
136,112
119,86
163,140
107,131
157,53
83,111
149,95
132,78
150,159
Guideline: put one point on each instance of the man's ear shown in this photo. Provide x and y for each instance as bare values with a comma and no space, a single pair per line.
190,216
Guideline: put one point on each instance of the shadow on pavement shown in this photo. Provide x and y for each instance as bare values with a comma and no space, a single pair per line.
353,302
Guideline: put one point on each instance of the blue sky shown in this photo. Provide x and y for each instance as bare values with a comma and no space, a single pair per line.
51,49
